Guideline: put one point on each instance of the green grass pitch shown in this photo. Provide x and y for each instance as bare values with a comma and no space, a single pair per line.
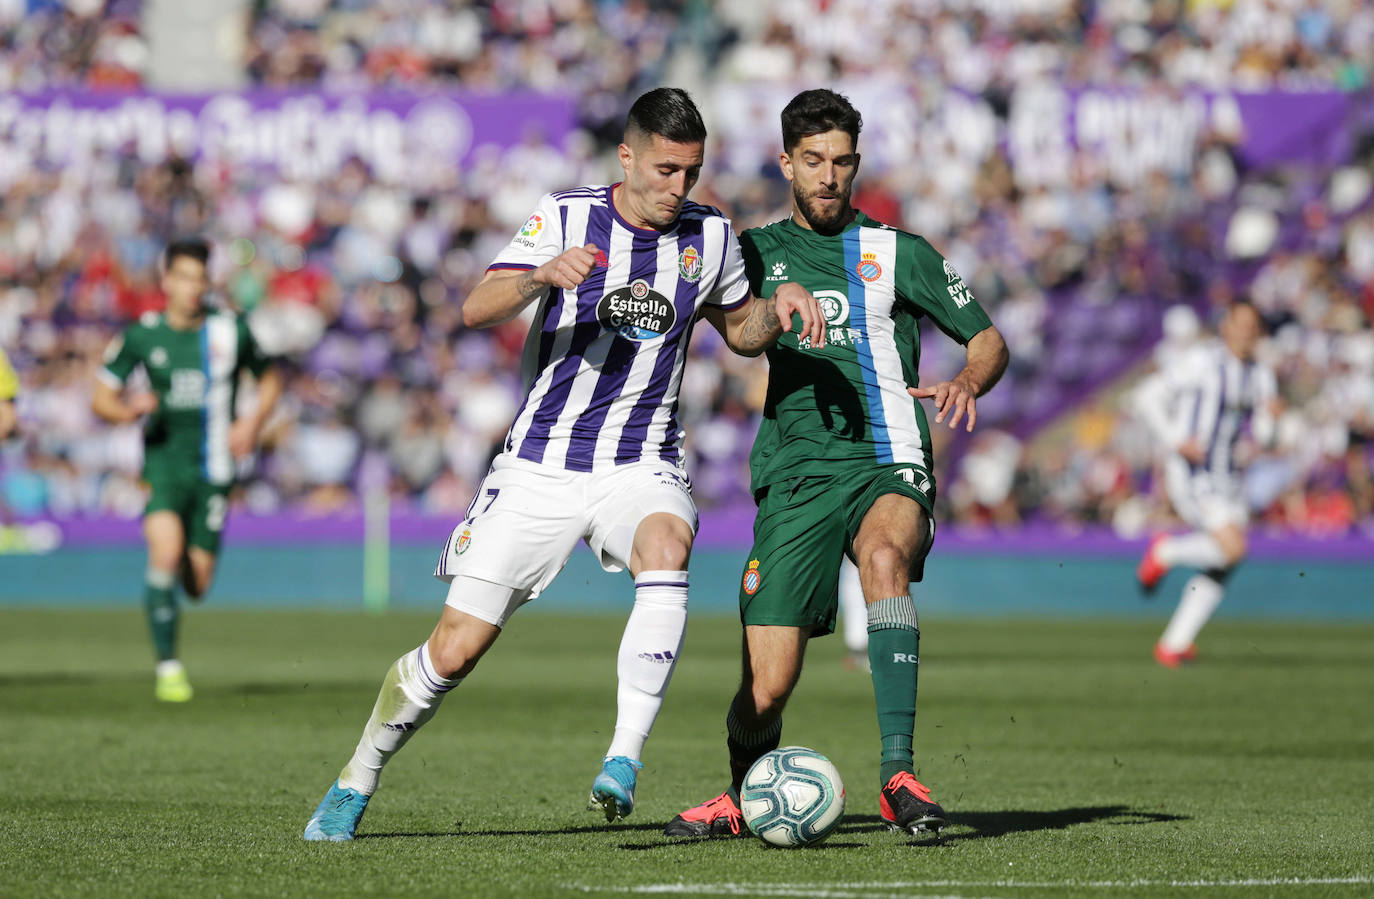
1069,762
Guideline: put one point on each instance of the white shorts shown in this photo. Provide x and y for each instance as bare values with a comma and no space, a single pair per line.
526,519
1203,498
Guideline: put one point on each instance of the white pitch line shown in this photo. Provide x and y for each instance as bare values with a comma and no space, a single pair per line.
866,889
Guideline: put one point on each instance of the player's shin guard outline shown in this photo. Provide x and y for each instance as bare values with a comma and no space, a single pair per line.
409,697
894,645
648,656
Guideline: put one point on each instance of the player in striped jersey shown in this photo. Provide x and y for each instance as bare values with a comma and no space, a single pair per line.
842,462
1198,407
618,277
193,357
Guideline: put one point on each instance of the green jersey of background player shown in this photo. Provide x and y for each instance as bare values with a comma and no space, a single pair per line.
842,462
193,357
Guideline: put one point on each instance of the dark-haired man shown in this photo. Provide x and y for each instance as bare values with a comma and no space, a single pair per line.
193,357
1198,408
842,462
619,275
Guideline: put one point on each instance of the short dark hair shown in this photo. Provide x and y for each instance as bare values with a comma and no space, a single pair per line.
197,248
816,112
1242,303
668,112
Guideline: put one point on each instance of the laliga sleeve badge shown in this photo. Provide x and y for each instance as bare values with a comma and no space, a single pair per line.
752,579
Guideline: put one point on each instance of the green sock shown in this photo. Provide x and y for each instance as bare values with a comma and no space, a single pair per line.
747,746
161,607
894,641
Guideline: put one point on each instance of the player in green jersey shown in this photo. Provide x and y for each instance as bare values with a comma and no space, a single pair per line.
842,462
193,356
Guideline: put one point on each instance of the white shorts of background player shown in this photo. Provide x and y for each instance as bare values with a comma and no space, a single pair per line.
1205,499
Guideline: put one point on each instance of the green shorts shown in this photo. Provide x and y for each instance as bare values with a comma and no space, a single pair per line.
803,530
200,505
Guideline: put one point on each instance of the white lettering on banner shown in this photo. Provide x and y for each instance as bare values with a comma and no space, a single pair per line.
1131,133
301,137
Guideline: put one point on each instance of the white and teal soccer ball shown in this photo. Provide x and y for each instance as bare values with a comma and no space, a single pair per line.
792,796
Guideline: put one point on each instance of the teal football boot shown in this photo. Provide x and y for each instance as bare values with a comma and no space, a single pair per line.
337,816
613,791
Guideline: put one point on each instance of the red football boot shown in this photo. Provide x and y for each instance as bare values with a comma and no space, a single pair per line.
905,804
1151,571
715,817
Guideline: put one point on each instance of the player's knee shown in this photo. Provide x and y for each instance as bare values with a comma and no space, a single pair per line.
888,565
769,699
450,656
455,647
1234,546
667,552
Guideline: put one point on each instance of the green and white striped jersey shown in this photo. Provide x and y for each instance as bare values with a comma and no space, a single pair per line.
847,401
195,376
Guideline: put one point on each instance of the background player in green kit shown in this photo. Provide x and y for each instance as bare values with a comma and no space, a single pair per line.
193,357
842,461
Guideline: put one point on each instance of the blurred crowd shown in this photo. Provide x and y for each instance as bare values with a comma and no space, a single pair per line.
356,282
73,44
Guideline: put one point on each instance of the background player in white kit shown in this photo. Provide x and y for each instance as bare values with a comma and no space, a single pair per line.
1198,406
621,273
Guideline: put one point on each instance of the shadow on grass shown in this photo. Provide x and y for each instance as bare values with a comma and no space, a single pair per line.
692,841
549,832
984,825
964,826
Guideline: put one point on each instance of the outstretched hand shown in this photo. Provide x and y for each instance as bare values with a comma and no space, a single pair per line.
952,400
1192,451
141,404
569,269
792,297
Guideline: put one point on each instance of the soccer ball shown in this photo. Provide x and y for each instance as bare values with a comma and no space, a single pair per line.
792,796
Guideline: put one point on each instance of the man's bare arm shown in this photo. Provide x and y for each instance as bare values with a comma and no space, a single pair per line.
245,431
985,360
107,403
754,327
501,295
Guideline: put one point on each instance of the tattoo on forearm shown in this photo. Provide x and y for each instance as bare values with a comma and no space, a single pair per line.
761,328
527,287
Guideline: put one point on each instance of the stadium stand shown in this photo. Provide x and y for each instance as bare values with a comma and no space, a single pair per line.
358,278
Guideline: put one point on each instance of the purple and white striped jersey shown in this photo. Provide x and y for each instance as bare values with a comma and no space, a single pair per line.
603,363
1208,395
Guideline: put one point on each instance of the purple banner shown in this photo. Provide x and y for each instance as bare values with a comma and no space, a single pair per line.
1133,132
298,135
1126,132
729,528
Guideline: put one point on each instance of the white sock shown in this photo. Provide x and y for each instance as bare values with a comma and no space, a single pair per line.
648,654
1201,595
409,697
853,609
1196,550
